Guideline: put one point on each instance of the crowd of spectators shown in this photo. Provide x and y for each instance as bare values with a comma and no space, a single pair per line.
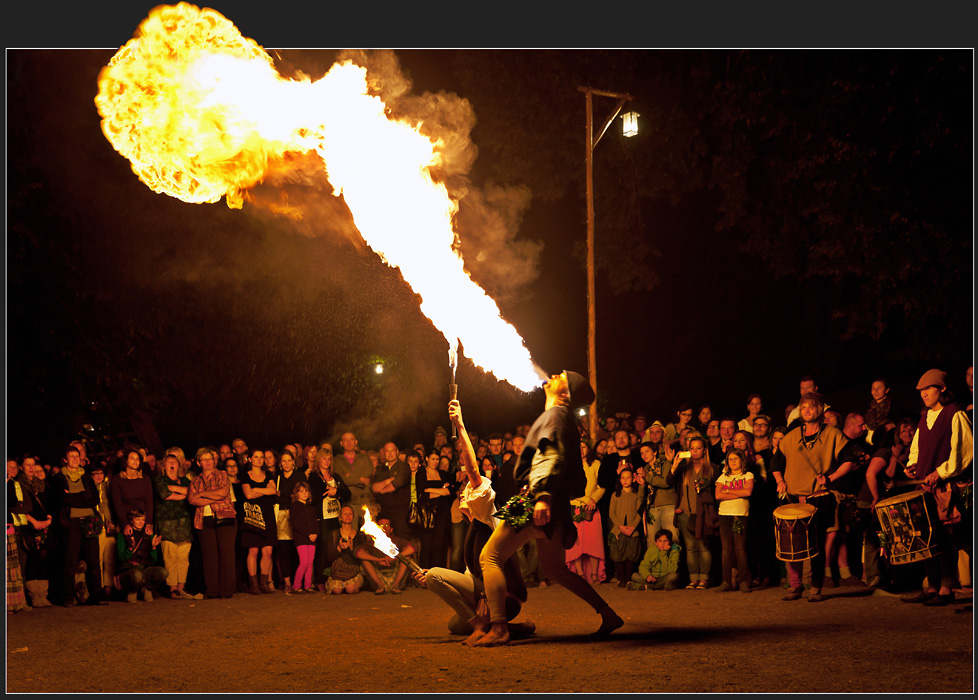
687,499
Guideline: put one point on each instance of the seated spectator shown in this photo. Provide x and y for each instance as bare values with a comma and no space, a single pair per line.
386,573
138,570
345,575
659,568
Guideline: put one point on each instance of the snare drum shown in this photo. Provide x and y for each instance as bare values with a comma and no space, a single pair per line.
909,522
794,532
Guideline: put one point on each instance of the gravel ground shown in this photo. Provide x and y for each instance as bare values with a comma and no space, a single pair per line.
672,641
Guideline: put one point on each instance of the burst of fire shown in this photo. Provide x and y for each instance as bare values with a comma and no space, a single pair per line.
381,540
201,113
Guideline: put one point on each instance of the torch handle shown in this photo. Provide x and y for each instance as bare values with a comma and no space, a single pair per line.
452,395
410,564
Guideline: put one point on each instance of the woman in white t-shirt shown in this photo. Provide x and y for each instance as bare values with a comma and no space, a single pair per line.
733,489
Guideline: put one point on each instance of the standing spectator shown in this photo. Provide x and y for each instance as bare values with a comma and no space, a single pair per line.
586,556
894,447
713,436
328,491
236,494
224,453
639,425
18,506
286,556
697,510
806,385
761,555
879,408
626,521
131,489
754,408
75,501
704,414
106,540
846,483
807,455
684,416
436,495
391,484
660,495
305,532
762,438
613,463
940,455
355,469
718,451
174,526
259,531
733,490
36,541
215,522
271,462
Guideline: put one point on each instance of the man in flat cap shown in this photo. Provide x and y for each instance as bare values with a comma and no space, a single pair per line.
552,473
940,457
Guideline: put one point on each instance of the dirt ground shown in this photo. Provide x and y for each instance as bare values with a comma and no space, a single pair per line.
676,641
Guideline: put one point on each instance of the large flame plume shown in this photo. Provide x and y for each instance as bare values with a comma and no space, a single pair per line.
201,114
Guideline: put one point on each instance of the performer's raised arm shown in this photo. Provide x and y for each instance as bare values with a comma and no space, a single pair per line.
467,453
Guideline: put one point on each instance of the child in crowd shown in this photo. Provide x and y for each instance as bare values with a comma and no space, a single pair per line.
733,490
626,520
305,531
138,571
660,566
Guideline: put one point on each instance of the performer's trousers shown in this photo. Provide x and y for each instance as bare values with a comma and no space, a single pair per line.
504,542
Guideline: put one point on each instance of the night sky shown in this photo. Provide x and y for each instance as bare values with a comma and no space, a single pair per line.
210,323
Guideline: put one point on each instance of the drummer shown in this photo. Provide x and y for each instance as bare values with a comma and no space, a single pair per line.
808,454
940,455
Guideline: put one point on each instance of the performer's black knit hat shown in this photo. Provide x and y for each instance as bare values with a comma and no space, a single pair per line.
581,393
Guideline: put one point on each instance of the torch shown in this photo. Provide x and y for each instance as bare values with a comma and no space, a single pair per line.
453,387
384,543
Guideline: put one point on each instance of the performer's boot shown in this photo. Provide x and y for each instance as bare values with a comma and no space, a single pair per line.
253,585
266,584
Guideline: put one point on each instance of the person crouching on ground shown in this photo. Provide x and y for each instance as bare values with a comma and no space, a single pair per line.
659,569
137,559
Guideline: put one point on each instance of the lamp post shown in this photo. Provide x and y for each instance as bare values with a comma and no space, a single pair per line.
591,142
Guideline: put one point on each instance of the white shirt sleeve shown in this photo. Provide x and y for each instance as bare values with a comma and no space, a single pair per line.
962,447
479,503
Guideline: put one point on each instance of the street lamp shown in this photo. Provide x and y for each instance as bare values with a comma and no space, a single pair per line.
591,142
629,124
